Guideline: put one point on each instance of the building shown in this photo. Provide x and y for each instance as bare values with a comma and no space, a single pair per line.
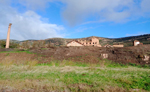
136,43
74,43
90,42
120,44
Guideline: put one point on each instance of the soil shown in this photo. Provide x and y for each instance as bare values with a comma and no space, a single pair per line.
82,54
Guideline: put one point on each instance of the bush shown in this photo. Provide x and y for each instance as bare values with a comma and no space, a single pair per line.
2,44
12,44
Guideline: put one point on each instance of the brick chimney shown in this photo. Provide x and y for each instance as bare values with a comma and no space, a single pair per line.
8,36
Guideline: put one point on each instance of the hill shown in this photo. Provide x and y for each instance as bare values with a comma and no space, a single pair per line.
127,41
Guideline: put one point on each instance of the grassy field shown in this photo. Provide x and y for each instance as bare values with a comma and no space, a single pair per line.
73,76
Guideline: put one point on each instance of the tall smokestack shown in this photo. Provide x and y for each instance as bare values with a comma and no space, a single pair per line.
8,36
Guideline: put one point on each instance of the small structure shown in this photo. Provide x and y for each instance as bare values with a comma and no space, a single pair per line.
74,43
104,56
8,36
136,43
120,45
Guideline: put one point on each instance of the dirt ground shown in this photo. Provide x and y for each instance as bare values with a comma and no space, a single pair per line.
81,54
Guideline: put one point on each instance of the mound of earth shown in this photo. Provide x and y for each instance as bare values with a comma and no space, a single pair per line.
94,54
82,54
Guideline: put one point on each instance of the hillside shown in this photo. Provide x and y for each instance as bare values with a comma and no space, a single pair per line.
127,41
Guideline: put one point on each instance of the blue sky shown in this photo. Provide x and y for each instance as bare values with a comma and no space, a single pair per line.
42,19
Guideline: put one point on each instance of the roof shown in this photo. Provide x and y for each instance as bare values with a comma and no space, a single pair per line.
75,41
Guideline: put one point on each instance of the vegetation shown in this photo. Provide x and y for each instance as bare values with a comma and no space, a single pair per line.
12,44
73,76
127,41
16,52
2,44
40,73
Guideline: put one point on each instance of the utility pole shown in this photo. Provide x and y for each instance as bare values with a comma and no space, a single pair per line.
8,36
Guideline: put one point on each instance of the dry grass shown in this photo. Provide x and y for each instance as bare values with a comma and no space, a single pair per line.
16,58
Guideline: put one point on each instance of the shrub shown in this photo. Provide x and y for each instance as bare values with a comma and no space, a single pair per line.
2,44
12,44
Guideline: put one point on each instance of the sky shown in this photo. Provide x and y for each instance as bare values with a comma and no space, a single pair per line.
43,19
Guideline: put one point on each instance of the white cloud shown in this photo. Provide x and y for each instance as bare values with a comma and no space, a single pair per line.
145,5
27,25
30,25
76,11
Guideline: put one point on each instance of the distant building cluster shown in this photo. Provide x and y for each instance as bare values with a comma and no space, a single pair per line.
91,42
95,42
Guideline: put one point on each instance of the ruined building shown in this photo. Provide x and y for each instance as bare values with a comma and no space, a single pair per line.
90,42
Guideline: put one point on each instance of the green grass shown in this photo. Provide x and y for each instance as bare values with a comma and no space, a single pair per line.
63,63
16,52
75,76
44,48
101,63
